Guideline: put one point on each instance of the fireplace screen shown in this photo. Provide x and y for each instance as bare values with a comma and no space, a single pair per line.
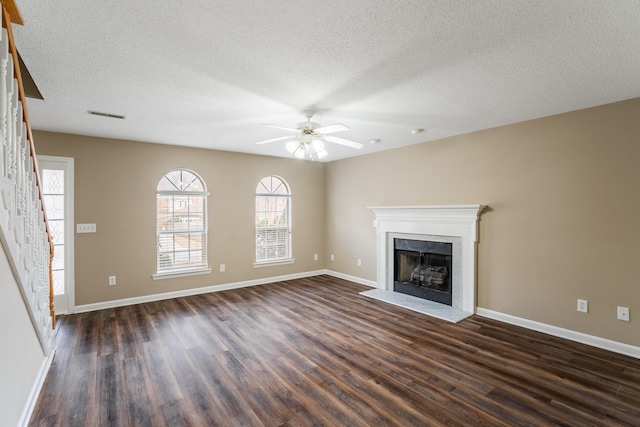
423,269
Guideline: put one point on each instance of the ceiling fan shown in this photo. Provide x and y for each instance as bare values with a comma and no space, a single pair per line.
309,138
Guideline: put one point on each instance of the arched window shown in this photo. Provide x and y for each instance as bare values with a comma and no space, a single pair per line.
273,221
181,225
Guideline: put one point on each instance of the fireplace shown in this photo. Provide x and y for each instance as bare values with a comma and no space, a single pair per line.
423,269
428,252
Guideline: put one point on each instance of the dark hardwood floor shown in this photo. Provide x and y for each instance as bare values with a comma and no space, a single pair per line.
313,352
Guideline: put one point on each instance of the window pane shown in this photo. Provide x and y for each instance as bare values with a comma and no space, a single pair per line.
53,198
54,205
181,222
272,185
58,282
52,181
272,220
57,263
181,180
56,227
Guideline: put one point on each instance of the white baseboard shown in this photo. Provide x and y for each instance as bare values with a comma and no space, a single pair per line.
35,389
216,288
195,291
616,347
580,337
365,282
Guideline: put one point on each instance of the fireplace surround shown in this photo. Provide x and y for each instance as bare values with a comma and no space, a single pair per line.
454,224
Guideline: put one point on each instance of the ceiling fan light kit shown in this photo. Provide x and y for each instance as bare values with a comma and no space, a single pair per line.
313,150
309,139
292,146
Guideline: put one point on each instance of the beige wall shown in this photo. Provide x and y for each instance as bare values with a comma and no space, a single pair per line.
564,197
115,184
563,193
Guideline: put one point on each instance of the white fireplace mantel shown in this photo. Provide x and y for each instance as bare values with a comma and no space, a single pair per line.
455,223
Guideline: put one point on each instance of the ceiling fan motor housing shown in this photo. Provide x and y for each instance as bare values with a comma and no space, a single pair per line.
307,126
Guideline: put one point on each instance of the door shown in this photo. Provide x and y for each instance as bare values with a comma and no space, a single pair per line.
56,177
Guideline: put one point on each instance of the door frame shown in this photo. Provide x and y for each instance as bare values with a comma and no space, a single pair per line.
67,165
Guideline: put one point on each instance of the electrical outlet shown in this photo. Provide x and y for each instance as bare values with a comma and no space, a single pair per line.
359,262
222,268
623,313
583,305
315,257
112,280
332,258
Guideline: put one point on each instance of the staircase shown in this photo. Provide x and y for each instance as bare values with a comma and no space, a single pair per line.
24,233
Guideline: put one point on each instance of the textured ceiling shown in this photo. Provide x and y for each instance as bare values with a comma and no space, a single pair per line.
207,73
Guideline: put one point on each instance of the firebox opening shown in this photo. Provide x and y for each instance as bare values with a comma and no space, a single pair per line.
423,269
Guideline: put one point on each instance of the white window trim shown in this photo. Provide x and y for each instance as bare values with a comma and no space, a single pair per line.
190,271
66,164
181,273
274,262
280,261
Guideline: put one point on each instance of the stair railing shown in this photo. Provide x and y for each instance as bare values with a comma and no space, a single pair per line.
24,230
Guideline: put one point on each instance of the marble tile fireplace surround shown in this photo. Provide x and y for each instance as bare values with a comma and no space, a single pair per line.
454,224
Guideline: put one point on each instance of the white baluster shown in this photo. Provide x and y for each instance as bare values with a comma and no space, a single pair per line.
19,135
21,138
28,206
13,154
12,125
33,199
4,52
7,190
15,130
19,174
36,263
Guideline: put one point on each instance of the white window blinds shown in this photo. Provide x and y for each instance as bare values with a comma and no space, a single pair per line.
181,226
273,220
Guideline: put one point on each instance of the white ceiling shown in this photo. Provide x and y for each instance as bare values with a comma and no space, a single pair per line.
207,73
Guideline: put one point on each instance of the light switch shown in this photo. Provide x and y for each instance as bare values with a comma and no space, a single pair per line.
85,228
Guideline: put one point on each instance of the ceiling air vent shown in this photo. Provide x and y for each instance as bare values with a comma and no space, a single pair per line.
113,116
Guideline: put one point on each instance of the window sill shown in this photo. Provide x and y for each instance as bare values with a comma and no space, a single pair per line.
273,263
181,273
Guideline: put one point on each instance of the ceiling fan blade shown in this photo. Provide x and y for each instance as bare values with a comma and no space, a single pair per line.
338,127
283,128
282,138
344,142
